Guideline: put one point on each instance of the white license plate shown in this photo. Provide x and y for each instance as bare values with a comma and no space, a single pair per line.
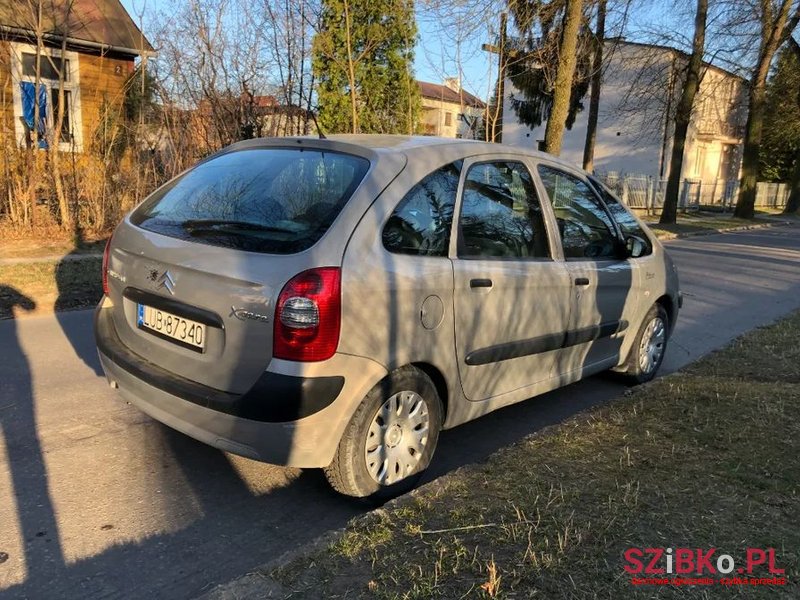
172,327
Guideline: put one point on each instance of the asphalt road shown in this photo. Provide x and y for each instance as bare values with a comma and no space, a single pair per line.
97,500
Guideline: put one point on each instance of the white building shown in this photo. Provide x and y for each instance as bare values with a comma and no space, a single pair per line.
641,88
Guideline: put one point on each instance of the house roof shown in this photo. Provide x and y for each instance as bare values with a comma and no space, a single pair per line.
100,24
670,49
435,91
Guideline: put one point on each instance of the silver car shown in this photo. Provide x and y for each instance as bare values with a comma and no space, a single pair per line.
337,302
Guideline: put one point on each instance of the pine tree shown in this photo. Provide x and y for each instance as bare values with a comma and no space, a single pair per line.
547,61
362,59
780,143
778,20
780,146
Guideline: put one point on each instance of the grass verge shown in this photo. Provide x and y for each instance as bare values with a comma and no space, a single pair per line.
46,286
704,458
708,222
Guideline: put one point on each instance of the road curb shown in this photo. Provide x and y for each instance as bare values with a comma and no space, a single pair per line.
258,584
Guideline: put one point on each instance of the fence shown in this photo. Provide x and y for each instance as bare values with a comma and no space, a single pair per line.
643,192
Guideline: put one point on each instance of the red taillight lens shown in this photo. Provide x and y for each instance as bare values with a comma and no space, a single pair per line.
308,316
105,267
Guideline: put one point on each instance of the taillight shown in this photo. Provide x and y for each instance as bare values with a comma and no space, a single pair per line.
308,316
105,266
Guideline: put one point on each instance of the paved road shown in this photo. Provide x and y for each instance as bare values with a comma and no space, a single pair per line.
97,500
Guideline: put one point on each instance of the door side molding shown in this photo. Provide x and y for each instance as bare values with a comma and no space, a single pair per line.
545,343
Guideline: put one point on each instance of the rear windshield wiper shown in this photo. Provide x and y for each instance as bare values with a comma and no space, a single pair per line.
201,226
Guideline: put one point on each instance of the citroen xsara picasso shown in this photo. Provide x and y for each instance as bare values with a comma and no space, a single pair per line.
337,302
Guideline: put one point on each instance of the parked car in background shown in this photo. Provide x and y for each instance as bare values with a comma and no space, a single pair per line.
337,302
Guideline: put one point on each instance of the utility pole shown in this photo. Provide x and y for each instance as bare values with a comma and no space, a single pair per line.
495,121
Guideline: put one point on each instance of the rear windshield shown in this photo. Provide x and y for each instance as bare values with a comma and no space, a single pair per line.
272,200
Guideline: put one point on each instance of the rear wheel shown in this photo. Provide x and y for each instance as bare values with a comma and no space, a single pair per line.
391,438
649,346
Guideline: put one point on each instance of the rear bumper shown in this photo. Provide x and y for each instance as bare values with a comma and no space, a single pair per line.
293,416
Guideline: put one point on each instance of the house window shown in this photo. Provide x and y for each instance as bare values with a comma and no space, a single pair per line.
50,67
58,87
448,119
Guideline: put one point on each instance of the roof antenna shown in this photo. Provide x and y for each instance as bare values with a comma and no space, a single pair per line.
319,131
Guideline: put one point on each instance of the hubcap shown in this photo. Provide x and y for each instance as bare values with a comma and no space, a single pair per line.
651,348
397,437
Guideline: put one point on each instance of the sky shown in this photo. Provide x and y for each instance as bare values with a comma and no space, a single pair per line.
435,53
430,64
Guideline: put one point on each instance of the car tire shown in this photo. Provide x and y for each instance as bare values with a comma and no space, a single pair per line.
649,346
399,422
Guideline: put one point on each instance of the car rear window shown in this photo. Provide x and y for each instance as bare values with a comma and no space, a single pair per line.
274,200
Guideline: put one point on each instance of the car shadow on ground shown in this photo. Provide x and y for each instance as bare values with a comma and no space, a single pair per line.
233,530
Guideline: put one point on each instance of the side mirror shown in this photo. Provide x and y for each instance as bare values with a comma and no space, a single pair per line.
635,246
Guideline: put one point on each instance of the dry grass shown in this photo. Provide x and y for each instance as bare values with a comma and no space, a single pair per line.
39,282
708,222
50,243
703,458
45,286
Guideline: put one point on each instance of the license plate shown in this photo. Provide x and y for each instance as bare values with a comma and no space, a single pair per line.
172,327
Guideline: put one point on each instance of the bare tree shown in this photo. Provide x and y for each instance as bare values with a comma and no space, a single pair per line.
213,59
292,26
683,113
597,81
459,33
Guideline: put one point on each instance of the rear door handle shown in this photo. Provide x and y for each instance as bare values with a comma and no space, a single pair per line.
480,283
581,281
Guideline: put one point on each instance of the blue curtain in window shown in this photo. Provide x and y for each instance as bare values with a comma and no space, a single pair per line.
29,110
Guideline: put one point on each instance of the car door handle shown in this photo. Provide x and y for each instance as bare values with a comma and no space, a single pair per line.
480,283
581,281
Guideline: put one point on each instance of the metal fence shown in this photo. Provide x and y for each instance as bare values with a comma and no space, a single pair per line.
647,193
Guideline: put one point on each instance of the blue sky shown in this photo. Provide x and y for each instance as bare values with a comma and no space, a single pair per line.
428,64
434,61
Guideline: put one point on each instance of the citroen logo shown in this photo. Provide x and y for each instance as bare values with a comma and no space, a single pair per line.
167,282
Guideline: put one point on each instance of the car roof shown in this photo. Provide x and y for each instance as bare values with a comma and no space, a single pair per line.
417,146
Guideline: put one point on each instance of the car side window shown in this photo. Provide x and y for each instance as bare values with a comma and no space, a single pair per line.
420,224
500,213
626,221
585,227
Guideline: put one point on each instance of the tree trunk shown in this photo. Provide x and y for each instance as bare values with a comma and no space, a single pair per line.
793,203
773,34
745,204
594,98
351,74
554,133
69,220
683,115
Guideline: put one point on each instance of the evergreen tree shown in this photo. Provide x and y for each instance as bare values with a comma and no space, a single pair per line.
780,145
779,159
778,19
538,60
362,59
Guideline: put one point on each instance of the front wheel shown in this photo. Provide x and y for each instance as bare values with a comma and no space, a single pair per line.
391,438
649,347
